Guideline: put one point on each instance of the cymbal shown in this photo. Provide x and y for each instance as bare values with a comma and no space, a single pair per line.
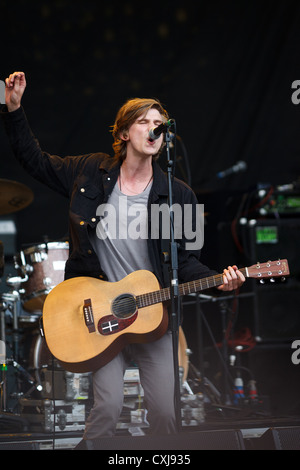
14,196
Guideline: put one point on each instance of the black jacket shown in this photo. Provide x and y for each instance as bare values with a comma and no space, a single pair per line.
87,181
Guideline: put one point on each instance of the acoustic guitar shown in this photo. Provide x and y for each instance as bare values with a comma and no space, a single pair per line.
86,321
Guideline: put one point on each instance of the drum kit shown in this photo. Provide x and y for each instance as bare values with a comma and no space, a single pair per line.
39,268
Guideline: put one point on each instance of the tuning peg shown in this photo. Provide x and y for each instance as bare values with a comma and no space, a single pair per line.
272,279
262,281
283,279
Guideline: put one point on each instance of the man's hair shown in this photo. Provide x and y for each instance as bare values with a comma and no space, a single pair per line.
127,115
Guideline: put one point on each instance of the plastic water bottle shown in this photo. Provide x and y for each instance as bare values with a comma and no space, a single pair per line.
238,390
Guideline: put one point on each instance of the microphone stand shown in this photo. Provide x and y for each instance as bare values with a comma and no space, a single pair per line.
174,286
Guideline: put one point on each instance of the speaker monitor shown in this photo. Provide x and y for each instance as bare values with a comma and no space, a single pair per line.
285,438
202,440
19,445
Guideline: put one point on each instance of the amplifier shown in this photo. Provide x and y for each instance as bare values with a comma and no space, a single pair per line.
277,307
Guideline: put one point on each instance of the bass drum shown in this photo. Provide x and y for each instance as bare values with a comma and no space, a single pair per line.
44,265
41,356
52,379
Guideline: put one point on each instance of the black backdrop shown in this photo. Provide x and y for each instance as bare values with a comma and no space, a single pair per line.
224,70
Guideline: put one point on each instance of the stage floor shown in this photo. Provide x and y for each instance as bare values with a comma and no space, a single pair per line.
249,434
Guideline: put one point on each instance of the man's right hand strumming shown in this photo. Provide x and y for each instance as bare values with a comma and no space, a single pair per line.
14,89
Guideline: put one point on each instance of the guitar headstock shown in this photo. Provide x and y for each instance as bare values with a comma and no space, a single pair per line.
269,270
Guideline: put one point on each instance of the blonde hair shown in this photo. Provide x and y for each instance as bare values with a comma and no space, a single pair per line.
127,115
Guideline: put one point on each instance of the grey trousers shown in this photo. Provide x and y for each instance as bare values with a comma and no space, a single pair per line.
155,362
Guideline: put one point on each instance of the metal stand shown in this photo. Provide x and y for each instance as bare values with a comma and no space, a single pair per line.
9,421
174,286
227,398
3,402
11,302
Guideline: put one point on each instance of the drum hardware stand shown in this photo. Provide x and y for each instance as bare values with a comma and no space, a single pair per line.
3,357
11,302
203,383
13,297
225,355
228,383
24,268
11,420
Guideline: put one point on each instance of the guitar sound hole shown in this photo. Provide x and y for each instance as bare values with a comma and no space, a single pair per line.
124,306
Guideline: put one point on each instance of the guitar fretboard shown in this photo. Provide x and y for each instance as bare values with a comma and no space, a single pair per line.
191,287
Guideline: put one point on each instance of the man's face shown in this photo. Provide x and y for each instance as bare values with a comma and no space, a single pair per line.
138,142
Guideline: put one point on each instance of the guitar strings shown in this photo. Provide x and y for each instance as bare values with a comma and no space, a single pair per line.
161,295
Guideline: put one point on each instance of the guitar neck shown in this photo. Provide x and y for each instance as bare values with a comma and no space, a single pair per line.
190,287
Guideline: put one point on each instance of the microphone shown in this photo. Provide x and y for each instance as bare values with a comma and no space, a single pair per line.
239,166
156,131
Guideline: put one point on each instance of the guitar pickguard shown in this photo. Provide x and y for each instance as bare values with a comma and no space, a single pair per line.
109,324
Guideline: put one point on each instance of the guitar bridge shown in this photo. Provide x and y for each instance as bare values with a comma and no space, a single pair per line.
88,315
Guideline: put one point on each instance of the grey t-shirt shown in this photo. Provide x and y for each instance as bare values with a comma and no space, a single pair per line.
120,237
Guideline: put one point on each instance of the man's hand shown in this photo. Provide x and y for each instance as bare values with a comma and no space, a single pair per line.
14,89
232,279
